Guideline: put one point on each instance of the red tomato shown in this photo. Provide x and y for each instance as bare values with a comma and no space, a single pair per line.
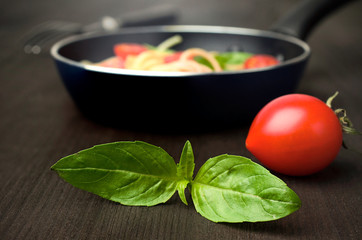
122,50
172,57
260,60
114,62
296,135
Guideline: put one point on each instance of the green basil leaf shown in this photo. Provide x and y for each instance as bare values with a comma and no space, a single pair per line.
181,186
227,60
231,188
233,57
131,173
204,61
186,166
185,170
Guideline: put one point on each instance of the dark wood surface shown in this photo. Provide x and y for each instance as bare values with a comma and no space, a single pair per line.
39,124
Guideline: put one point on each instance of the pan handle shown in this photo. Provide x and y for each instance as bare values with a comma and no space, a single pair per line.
301,20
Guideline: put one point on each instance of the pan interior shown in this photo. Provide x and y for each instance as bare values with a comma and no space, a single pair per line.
99,47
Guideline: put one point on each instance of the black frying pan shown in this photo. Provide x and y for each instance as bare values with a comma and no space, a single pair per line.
174,101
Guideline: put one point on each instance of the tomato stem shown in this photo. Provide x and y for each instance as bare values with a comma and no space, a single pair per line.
330,99
346,123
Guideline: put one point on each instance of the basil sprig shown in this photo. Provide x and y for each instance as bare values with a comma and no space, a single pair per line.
227,188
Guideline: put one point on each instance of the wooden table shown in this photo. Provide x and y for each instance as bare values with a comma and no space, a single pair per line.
39,124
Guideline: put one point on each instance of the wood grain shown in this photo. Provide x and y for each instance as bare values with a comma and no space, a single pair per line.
39,124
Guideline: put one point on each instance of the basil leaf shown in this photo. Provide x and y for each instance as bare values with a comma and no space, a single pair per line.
131,173
185,170
181,186
231,61
227,60
204,61
233,57
227,188
186,166
231,188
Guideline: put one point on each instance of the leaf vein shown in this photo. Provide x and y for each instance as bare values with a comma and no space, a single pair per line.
154,159
227,170
110,159
134,157
167,178
237,192
144,192
128,184
202,195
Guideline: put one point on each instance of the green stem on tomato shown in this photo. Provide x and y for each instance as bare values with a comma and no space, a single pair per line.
346,123
330,99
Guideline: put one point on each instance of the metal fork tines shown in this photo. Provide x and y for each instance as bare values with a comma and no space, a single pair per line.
47,33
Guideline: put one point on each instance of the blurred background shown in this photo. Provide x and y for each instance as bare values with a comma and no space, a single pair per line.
18,17
342,29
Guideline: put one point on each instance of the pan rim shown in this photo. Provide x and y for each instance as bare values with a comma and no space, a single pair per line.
180,29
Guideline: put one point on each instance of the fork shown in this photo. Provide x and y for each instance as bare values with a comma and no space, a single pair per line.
44,34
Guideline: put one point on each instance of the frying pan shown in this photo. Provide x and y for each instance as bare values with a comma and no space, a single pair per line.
184,101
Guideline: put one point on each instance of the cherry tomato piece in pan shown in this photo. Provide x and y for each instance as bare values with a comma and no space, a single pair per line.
172,57
122,50
296,135
260,60
114,62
